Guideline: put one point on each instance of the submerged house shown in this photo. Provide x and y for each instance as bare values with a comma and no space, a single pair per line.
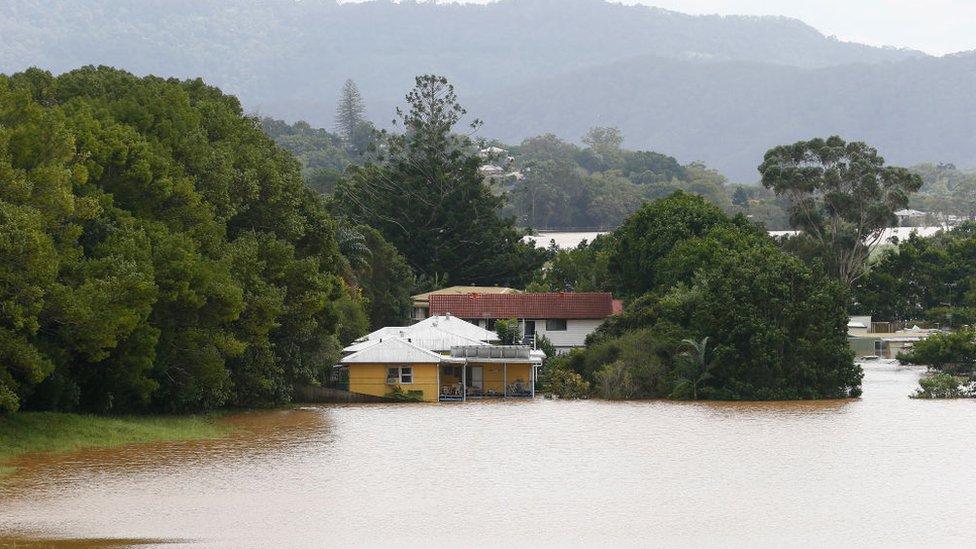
440,359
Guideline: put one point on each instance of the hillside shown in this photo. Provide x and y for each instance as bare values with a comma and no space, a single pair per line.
727,114
690,85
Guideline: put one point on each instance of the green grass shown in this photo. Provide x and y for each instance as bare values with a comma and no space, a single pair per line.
26,432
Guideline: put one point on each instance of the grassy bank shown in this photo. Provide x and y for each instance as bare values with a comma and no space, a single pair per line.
25,432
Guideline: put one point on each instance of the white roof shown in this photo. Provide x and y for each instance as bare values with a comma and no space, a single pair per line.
433,338
438,333
394,350
456,326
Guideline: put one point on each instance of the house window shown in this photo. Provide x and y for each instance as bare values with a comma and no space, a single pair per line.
556,325
399,375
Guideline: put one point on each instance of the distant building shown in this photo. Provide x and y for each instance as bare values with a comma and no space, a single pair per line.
565,318
909,218
883,339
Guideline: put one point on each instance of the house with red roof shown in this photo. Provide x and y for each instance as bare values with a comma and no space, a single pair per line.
565,318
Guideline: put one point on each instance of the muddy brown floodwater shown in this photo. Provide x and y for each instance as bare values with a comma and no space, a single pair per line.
881,470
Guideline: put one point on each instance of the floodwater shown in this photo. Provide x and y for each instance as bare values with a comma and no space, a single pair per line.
881,470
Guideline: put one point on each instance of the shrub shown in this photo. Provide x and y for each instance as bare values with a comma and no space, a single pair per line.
562,382
941,386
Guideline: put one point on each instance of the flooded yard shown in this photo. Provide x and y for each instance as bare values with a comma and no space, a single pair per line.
880,470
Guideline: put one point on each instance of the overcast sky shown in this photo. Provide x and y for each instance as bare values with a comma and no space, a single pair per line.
933,26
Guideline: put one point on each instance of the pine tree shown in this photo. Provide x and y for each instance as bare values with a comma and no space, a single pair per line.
350,112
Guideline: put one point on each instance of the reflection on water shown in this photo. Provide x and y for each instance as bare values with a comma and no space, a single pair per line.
883,469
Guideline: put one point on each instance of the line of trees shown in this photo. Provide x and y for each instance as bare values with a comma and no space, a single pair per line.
157,251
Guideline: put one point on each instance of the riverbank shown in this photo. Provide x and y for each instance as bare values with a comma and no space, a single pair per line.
27,432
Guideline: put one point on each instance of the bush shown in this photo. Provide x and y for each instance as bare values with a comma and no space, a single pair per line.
562,382
948,352
508,331
942,386
397,394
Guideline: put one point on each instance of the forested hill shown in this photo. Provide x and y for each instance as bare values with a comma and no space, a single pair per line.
727,114
693,84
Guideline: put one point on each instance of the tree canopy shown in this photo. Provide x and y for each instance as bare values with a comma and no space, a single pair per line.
930,279
775,327
841,196
157,251
427,197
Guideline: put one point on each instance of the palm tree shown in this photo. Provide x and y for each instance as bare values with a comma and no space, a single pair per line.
697,362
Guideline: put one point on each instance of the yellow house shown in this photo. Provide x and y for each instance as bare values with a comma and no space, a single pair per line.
471,371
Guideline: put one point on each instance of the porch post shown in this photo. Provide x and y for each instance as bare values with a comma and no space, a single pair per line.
532,375
505,379
439,366
464,381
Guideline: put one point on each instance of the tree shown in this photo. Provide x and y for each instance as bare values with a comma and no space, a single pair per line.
427,197
952,353
694,370
923,278
350,112
841,196
651,233
157,251
508,331
385,280
775,326
740,197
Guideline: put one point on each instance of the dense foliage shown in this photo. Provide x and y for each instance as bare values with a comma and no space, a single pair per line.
157,250
427,197
931,278
948,194
717,311
562,186
841,196
323,154
950,352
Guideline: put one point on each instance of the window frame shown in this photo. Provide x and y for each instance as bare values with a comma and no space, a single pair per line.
394,375
550,328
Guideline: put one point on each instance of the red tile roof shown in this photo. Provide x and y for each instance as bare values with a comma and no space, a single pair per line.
539,305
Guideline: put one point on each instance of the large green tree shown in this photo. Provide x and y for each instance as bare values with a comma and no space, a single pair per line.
842,196
775,326
429,200
649,236
159,251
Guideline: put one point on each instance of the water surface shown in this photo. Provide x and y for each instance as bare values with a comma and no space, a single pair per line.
880,470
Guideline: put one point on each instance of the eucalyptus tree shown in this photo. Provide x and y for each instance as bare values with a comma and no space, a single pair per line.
841,196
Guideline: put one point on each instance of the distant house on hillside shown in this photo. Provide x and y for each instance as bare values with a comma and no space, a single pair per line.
421,302
565,318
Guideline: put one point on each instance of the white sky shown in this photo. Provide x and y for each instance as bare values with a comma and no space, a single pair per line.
933,26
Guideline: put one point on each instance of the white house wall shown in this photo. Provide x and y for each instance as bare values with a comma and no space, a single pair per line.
573,336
